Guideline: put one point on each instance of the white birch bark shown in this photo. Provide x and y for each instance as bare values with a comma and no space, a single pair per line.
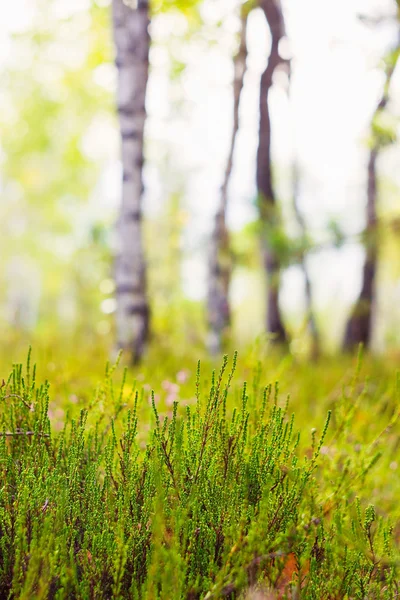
132,59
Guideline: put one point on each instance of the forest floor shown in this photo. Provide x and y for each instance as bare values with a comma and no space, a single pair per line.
271,478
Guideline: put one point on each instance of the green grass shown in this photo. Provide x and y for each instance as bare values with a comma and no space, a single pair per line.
206,487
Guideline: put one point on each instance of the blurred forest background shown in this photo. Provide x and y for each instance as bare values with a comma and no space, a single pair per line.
270,197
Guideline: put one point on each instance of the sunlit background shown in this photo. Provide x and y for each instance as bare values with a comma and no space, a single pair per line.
60,172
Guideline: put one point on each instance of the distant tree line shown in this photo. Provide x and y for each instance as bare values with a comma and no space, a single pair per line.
131,20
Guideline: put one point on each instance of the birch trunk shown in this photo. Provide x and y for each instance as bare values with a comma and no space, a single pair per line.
269,215
220,256
132,59
310,316
359,328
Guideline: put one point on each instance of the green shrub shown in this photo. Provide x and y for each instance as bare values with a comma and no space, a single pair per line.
219,499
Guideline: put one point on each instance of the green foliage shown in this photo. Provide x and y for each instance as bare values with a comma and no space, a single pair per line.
58,100
336,233
383,130
189,8
219,495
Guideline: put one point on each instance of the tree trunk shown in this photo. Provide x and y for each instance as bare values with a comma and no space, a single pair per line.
311,320
132,59
220,257
269,214
359,327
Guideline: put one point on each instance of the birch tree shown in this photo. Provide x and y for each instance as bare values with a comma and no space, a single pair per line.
310,314
132,42
220,256
359,328
267,201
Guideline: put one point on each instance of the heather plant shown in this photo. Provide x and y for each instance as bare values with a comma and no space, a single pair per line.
220,498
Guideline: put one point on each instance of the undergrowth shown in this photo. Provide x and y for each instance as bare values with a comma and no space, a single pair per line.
218,498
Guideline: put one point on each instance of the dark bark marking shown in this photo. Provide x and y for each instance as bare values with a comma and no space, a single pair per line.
130,134
133,216
128,289
137,310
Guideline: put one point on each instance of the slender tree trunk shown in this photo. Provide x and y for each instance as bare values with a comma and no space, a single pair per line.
311,321
269,214
359,327
310,315
132,60
220,256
